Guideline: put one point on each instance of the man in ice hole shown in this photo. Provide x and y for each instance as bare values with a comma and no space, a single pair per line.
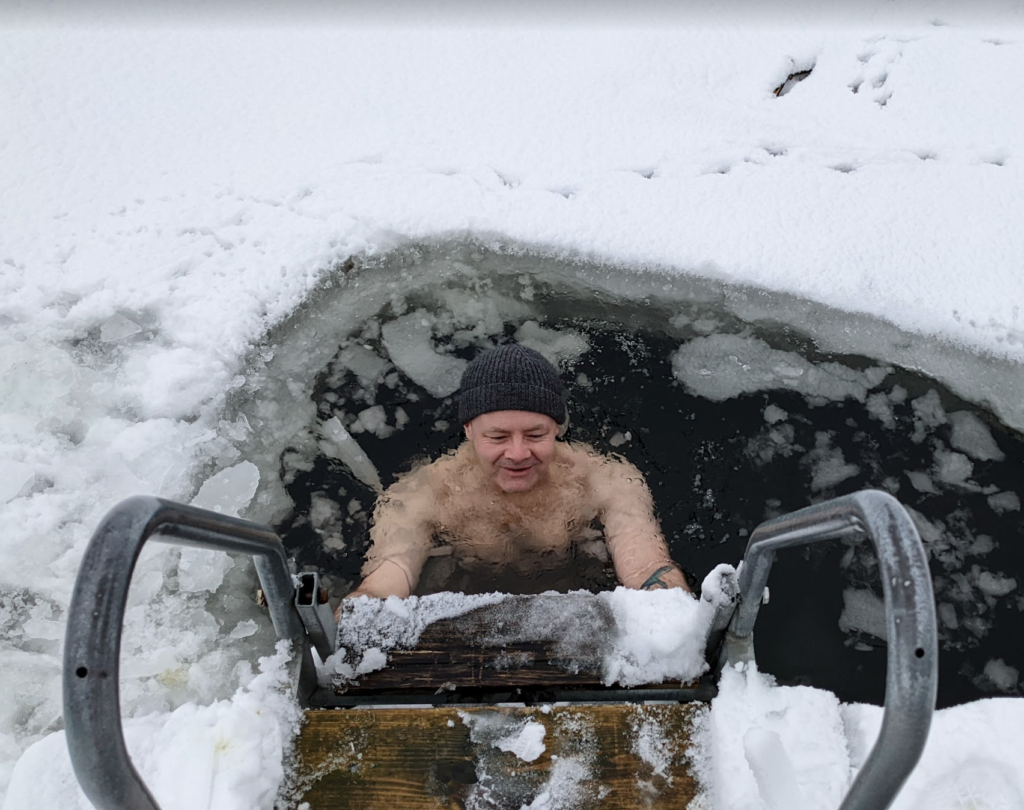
512,496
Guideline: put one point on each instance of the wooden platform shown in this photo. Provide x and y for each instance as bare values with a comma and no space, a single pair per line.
615,756
497,649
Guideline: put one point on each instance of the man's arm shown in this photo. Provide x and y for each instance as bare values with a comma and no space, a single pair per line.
402,535
632,533
388,579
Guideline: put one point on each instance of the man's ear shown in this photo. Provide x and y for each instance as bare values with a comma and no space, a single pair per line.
466,429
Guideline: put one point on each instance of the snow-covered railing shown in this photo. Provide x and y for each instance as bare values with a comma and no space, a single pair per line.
912,669
92,710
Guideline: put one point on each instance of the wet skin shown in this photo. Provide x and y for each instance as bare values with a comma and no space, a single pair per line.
514,448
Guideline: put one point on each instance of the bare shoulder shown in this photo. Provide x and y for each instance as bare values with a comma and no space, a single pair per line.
606,475
429,481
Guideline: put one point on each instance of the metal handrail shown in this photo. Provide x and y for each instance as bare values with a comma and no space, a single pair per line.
92,708
912,665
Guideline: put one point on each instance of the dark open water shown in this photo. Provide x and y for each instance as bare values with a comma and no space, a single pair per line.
713,487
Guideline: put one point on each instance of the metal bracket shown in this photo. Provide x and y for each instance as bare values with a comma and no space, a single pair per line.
316,615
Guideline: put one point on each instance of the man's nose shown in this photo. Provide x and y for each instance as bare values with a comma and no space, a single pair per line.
517,450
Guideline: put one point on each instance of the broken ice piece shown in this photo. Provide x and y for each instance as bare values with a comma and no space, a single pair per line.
118,327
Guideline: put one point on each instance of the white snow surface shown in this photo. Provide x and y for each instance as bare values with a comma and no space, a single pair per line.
228,755
527,743
766,747
173,194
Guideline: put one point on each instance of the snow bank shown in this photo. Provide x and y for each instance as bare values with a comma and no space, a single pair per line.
761,742
763,746
227,755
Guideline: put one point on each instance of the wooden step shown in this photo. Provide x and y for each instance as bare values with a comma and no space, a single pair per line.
488,649
608,755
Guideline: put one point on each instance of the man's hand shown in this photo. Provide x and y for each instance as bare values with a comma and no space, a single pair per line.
389,579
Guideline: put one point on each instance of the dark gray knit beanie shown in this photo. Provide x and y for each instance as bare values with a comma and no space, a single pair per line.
511,378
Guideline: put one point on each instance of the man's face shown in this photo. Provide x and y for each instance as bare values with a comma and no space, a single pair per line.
514,447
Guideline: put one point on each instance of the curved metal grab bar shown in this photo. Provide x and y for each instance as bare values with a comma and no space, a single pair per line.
912,665
92,708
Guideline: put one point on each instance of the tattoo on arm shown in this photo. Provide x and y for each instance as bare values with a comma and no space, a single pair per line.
654,581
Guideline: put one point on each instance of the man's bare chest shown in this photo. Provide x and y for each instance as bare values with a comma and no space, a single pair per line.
496,535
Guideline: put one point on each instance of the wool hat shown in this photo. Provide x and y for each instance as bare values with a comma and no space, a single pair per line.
511,378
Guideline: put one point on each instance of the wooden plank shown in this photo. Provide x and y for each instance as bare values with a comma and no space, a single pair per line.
614,756
497,647
429,668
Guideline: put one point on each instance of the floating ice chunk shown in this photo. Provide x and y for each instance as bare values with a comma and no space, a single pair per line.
527,743
338,443
828,465
995,584
619,439
244,629
720,367
16,478
118,327
952,468
1003,502
201,569
408,341
202,438
879,405
972,436
920,481
562,347
375,420
369,367
947,615
325,519
928,408
876,374
706,326
1002,674
863,611
774,414
230,491
928,414
484,314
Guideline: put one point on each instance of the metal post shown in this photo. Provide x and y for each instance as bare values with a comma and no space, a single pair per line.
92,648
316,615
912,668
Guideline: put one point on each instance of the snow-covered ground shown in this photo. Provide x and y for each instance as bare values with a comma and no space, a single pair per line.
178,206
